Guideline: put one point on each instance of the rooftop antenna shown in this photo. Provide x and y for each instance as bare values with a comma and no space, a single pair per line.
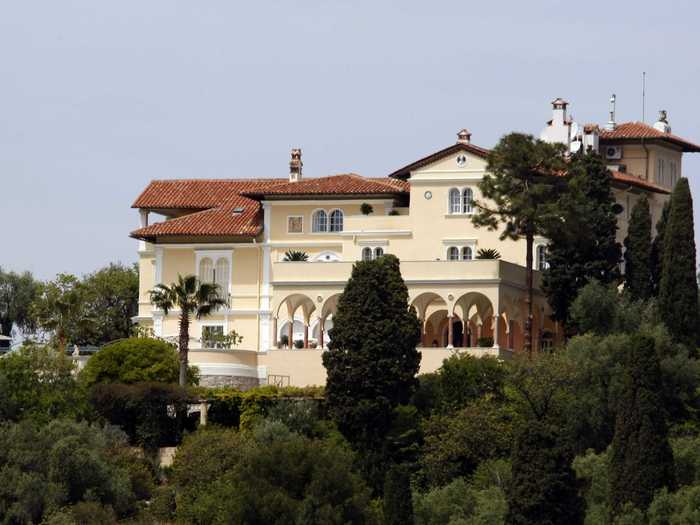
644,95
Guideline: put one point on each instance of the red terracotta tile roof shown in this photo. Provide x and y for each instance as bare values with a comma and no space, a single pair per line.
197,194
639,130
404,172
633,180
345,184
229,206
224,221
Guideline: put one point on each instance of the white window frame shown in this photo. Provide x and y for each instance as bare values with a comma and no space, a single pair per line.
302,224
330,221
215,255
471,253
203,324
378,249
460,207
538,260
449,251
366,250
314,214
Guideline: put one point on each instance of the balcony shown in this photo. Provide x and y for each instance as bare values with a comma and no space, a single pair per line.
412,271
367,225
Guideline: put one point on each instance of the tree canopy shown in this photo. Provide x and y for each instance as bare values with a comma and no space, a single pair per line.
638,257
581,226
17,293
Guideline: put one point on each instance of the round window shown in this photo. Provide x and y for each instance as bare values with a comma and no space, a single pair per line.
428,195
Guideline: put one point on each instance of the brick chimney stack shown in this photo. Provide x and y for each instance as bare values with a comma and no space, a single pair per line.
295,165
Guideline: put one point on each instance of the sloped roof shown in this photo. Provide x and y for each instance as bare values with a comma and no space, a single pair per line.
633,180
345,184
640,130
197,194
403,173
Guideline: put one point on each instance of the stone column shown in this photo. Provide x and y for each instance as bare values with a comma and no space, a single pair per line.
290,334
306,335
203,408
275,342
465,333
449,332
321,322
496,331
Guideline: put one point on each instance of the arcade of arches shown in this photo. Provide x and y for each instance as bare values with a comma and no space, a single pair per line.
448,321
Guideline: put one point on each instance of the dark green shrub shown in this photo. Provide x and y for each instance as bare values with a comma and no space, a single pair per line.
152,414
366,209
134,360
398,505
484,342
298,344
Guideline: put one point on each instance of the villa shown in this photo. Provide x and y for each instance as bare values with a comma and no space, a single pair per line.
236,232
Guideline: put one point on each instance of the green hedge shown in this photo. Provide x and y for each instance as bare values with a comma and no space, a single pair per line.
235,408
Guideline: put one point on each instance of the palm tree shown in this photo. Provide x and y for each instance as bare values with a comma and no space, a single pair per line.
193,298
296,255
488,253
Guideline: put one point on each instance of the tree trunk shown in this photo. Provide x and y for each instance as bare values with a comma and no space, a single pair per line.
530,240
184,346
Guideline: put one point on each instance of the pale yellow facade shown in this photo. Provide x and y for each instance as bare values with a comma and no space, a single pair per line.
458,301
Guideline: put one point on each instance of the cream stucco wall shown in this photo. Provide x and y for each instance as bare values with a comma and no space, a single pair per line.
487,295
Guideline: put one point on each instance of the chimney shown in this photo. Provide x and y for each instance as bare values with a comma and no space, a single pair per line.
464,137
662,123
295,165
611,123
559,112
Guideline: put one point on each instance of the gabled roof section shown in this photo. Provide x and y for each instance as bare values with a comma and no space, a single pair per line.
197,194
336,185
405,172
640,130
239,217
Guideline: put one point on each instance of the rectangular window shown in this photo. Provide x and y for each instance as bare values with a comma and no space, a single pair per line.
212,336
295,224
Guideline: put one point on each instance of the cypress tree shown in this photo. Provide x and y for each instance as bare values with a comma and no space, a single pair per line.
543,489
678,293
641,460
398,503
638,283
372,359
581,226
657,249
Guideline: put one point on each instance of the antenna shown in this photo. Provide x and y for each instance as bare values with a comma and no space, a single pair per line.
644,95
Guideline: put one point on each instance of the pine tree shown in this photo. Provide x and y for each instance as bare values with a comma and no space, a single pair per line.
522,176
372,359
638,283
641,461
543,489
581,226
398,503
678,293
657,249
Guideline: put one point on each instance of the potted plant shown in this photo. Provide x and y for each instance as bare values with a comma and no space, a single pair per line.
295,256
484,342
366,208
488,253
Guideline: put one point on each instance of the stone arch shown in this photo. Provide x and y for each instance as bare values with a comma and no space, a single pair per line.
287,310
470,301
424,300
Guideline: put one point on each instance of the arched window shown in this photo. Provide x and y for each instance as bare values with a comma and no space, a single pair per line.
378,252
542,263
454,204
453,253
319,222
221,275
336,221
467,199
206,270
367,254
467,254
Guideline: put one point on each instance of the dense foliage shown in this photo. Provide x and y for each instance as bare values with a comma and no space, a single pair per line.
638,261
372,359
678,290
580,224
17,293
63,466
269,475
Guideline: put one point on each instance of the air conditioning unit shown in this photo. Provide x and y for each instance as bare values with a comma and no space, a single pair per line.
613,152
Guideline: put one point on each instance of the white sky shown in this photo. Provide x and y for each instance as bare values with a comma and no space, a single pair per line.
97,97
